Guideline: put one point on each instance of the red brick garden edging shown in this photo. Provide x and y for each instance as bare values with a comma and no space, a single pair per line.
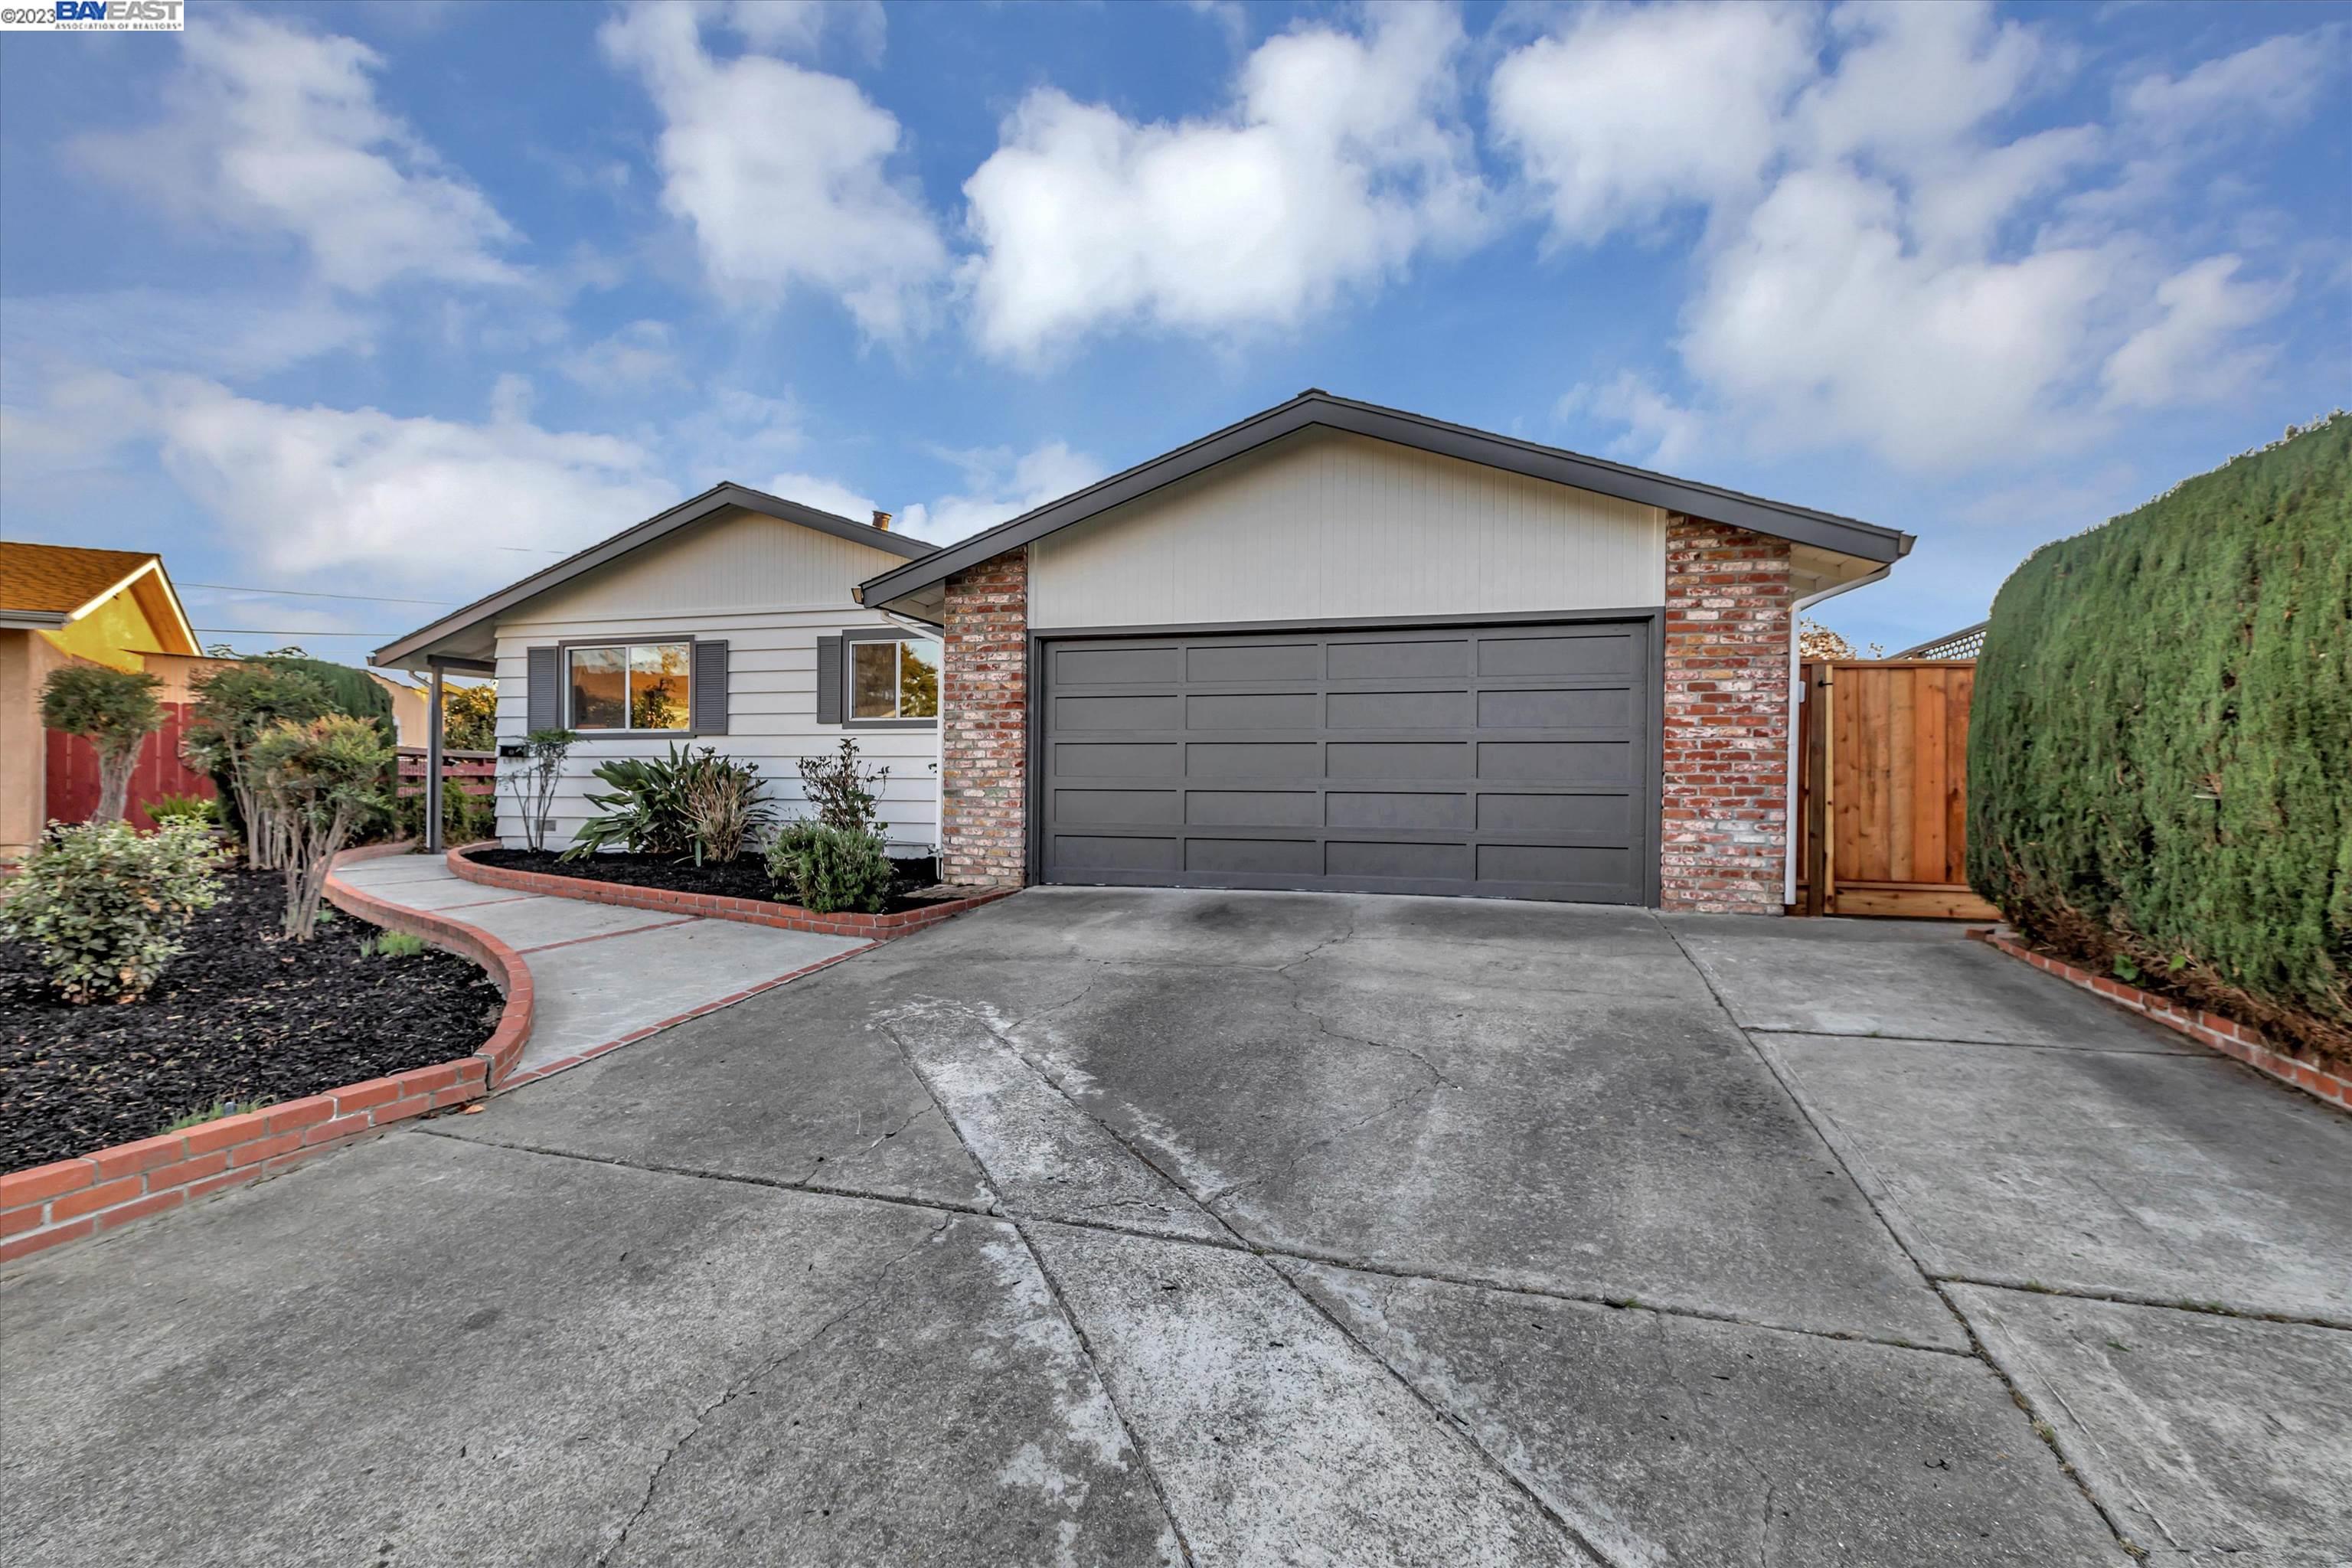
750,912
2224,1034
69,1199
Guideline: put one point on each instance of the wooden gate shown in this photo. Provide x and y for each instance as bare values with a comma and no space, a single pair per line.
1882,791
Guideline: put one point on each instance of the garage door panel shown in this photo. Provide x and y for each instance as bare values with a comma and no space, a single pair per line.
1271,762
1251,710
1557,762
1252,808
1439,709
1208,663
1373,660
1507,761
1406,811
1088,664
1586,653
1116,807
1260,856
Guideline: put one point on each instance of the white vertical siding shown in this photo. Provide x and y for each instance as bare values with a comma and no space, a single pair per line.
1326,524
771,589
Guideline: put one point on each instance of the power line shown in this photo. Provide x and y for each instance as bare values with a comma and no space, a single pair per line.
311,593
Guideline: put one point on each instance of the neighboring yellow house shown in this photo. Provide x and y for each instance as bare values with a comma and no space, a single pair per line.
60,602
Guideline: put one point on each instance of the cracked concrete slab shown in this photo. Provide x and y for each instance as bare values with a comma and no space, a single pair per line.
1901,979
532,922
1043,1154
1601,1146
423,1351
2167,1178
1678,1440
2216,1439
801,1086
1276,1439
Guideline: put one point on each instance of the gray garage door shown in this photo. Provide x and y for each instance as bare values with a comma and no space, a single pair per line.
1509,761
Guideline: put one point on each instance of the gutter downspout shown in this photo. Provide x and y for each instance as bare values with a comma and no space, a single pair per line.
433,763
1796,714
939,730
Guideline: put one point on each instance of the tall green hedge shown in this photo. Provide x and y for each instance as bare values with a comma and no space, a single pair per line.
2160,743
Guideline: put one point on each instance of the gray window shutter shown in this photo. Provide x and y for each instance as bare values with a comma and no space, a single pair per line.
544,690
709,694
828,680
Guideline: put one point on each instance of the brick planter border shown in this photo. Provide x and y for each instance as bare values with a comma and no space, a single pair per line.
70,1199
2227,1035
713,906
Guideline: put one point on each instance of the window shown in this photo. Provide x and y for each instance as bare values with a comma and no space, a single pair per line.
630,686
893,678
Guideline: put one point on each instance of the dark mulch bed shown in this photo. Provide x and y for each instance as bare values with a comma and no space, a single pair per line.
240,1016
745,877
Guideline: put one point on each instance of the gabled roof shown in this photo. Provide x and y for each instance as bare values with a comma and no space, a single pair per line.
637,535
55,584
1846,536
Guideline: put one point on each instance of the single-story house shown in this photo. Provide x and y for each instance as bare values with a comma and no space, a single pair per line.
1333,645
730,620
1336,645
66,604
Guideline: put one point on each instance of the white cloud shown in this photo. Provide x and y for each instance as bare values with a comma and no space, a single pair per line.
781,172
639,356
1603,118
804,26
2273,82
231,335
999,486
1871,274
1659,431
1340,159
272,129
2184,355
303,491
826,494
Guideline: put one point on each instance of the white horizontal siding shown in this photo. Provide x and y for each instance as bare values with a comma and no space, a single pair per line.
1327,524
771,589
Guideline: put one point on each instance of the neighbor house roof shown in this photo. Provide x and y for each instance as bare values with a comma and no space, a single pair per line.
1316,408
1966,643
634,537
51,585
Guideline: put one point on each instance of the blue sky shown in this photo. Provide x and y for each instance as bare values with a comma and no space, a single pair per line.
407,299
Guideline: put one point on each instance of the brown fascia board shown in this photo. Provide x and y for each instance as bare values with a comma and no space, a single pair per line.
715,498
1827,530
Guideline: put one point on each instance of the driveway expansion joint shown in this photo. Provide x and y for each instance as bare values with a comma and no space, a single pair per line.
2138,1298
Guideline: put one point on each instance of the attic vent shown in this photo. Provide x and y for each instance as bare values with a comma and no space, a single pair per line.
882,521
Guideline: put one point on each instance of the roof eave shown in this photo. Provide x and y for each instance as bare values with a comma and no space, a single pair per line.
1846,536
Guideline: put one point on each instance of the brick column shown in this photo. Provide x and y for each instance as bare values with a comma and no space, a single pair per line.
984,705
1725,839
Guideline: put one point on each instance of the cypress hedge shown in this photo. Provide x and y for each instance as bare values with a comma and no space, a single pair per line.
2160,743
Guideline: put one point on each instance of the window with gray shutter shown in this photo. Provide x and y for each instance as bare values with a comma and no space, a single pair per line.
708,697
828,680
544,690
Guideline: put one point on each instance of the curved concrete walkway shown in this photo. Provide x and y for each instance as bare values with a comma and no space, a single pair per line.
603,975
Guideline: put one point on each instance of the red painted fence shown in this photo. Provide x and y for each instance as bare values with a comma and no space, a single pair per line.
72,782
476,773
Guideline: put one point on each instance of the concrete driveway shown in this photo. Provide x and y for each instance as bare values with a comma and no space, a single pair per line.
1132,1226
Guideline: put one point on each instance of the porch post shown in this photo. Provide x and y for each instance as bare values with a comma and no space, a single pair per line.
433,763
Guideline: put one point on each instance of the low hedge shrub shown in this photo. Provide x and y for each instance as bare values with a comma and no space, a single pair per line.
829,869
104,906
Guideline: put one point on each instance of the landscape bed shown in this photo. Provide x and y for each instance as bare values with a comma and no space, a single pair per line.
240,1017
745,876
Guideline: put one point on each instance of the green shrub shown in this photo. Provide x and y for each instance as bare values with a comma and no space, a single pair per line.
830,868
392,945
842,791
691,801
465,818
166,809
319,780
2161,737
115,710
212,1112
104,907
234,705
469,717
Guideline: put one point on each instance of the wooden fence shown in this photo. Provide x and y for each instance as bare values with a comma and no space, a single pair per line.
1882,791
475,772
69,788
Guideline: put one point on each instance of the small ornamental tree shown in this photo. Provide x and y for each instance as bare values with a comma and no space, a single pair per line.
320,780
533,780
233,708
104,908
115,710
842,791
469,717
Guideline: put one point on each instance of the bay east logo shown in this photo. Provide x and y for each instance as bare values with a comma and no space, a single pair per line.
97,17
